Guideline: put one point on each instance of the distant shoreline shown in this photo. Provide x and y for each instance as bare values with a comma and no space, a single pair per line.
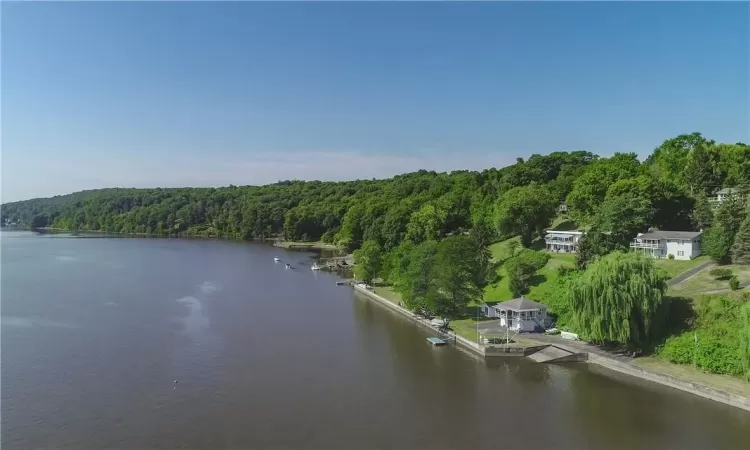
276,242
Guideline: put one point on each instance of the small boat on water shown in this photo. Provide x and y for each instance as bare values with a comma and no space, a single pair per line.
340,283
276,259
288,266
315,266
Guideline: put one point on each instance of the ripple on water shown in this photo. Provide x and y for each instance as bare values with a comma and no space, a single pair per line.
209,288
25,322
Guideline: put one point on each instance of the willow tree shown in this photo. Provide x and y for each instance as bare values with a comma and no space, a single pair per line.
618,299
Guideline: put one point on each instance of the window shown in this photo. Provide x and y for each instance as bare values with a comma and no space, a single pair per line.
680,253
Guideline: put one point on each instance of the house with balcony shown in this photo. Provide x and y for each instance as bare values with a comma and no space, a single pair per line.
682,245
562,241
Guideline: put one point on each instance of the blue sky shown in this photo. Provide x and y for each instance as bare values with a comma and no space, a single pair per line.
207,94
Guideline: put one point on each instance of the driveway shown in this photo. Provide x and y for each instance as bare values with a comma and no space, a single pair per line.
489,327
689,273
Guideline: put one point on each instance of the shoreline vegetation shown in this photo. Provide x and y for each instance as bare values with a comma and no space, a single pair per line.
720,388
447,242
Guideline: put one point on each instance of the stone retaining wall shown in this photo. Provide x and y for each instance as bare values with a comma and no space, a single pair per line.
694,388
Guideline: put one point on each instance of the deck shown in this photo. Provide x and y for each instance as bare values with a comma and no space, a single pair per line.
436,341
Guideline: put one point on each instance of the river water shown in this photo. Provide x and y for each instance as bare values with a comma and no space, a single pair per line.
95,332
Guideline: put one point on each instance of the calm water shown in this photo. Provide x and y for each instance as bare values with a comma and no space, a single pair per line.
96,330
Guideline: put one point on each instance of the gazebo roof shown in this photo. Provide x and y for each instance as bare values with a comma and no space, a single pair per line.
520,304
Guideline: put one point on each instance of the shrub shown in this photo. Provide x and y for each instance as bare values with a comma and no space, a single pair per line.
565,270
537,260
734,283
717,350
720,274
670,256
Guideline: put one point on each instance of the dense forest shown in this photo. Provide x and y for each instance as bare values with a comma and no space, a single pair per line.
618,194
427,235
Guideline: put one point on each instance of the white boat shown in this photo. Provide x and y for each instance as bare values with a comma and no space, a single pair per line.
288,266
276,259
315,266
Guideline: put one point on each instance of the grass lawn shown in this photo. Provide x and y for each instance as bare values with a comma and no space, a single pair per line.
500,250
687,373
674,267
388,294
545,278
703,282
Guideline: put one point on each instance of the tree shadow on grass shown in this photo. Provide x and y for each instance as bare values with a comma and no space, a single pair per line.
474,313
565,225
680,315
537,279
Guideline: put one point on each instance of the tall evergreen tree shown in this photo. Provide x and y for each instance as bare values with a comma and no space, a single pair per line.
703,214
718,240
741,247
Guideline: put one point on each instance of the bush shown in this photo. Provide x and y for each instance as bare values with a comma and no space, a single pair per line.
670,256
521,270
717,349
565,270
720,274
734,283
537,260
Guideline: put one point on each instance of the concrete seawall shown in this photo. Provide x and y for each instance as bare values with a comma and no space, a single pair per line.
701,390
693,388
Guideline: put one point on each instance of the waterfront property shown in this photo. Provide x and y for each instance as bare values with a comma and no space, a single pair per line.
562,241
660,244
520,314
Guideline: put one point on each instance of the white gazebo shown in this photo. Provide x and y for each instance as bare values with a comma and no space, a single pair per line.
519,314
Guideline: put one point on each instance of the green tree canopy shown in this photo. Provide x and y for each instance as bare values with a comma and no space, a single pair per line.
525,211
619,299
594,244
417,286
455,276
590,188
367,261
625,210
426,224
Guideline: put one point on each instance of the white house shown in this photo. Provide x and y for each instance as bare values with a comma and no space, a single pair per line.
520,314
562,241
723,195
661,244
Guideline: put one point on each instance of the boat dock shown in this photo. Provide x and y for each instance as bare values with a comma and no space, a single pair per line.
436,341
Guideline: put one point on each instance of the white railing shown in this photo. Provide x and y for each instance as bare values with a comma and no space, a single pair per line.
558,241
643,245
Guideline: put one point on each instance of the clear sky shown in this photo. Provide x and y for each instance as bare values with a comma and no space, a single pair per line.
205,94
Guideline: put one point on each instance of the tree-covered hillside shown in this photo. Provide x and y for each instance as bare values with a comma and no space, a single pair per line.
618,194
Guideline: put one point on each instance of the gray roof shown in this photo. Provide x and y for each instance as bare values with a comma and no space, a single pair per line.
518,304
727,191
563,235
686,235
